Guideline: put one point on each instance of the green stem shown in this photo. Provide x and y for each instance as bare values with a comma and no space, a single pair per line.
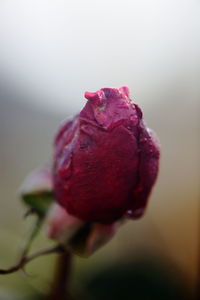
34,231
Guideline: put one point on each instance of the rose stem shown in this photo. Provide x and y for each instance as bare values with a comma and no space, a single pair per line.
60,287
27,259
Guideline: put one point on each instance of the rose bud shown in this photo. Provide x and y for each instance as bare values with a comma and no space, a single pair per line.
105,160
38,180
80,238
36,190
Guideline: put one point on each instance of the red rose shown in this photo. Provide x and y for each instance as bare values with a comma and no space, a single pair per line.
106,160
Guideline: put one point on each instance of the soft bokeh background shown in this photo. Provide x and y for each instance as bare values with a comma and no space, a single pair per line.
50,53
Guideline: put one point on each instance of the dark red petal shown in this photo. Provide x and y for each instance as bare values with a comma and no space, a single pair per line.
148,170
105,160
102,175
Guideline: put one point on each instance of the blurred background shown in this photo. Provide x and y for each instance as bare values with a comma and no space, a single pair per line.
51,52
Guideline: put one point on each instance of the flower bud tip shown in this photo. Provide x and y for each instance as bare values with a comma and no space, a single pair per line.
90,96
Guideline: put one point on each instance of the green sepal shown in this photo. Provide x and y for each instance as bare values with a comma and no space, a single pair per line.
39,202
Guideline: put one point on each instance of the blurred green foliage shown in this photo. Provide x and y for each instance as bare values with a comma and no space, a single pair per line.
145,279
